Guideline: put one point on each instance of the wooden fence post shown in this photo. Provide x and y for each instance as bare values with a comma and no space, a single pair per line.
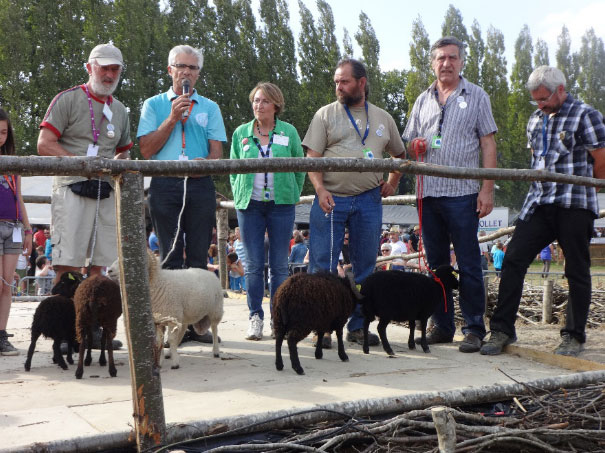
547,301
149,420
222,235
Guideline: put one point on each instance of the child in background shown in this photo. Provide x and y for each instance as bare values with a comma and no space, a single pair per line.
236,273
498,256
44,276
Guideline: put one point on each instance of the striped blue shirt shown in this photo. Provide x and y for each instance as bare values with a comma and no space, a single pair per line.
467,116
571,133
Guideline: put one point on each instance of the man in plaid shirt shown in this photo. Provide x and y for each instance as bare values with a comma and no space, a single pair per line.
565,136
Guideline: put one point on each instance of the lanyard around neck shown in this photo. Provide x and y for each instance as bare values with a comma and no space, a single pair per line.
367,131
268,154
544,135
183,121
95,131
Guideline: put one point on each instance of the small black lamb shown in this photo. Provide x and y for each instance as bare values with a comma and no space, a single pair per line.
403,296
311,302
97,300
55,318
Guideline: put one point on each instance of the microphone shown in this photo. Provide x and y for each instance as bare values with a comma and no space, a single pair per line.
186,88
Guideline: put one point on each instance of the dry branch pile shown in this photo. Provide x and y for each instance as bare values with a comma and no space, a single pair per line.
558,421
530,310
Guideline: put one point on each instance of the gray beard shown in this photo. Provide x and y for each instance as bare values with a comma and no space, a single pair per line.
100,89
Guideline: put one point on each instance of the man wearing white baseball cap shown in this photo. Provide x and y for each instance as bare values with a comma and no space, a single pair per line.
86,120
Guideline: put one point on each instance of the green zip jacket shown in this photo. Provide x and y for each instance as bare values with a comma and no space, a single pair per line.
287,186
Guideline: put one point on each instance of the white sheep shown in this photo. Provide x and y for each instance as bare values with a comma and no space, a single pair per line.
180,297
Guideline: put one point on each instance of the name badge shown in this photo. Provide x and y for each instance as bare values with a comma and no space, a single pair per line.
540,163
283,140
267,194
17,235
183,157
436,142
93,150
107,112
368,154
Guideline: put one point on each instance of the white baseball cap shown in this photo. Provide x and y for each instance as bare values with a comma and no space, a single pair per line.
106,54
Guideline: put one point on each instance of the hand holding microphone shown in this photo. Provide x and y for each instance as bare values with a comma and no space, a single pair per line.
186,91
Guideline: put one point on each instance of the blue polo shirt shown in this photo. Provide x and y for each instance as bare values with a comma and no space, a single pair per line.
205,123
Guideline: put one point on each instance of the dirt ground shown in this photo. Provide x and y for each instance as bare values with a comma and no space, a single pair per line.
547,337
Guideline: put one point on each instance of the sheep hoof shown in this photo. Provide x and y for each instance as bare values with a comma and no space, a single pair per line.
175,367
70,360
167,355
412,345
427,350
102,362
279,366
63,366
87,362
366,350
113,373
319,355
299,371
79,374
217,356
27,367
391,355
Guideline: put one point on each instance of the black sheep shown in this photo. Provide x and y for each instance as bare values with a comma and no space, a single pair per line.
55,318
403,296
97,300
311,302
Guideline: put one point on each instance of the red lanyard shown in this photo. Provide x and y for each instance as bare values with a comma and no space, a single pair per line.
183,121
13,187
95,131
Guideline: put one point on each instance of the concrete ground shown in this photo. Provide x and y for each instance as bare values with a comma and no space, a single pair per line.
48,408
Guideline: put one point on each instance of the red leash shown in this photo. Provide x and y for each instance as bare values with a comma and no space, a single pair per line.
419,194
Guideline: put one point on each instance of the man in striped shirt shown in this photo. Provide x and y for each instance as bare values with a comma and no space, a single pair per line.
565,136
452,124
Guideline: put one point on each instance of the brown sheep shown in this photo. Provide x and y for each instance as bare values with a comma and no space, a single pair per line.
97,301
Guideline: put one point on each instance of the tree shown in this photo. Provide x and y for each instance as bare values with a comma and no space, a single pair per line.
591,78
347,45
277,50
420,74
370,51
513,150
318,54
567,62
476,52
541,54
453,25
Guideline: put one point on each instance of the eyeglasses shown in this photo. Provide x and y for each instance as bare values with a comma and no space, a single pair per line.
262,102
543,101
182,66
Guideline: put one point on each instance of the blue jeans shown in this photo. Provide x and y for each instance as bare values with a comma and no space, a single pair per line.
278,221
362,214
165,203
455,220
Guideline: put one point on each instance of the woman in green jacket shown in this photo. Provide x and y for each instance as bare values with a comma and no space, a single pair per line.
265,201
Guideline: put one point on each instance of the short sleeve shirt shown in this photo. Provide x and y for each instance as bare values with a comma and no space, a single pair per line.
205,123
68,117
465,118
332,134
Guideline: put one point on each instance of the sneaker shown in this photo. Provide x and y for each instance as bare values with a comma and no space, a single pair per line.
6,348
255,331
569,346
495,344
471,343
435,335
326,341
356,336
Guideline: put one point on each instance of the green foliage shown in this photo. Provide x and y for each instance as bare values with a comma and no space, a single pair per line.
370,51
541,55
567,62
454,26
591,78
420,74
476,53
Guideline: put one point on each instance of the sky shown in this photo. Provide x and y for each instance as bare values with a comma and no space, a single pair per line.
392,21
